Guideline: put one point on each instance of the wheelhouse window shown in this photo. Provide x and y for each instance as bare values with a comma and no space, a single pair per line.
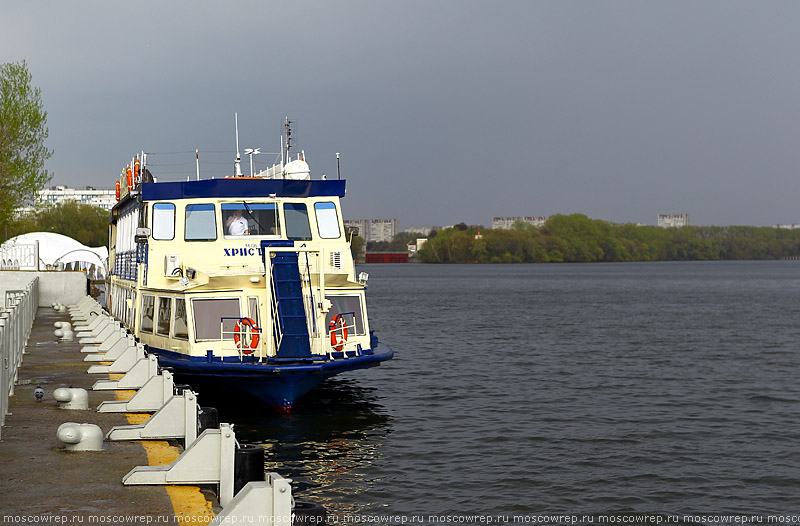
208,314
327,220
250,219
164,315
148,306
296,216
201,223
180,323
350,308
163,221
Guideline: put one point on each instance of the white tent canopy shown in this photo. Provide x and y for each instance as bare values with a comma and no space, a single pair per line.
53,249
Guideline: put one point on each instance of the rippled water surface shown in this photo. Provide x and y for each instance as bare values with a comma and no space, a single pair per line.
665,388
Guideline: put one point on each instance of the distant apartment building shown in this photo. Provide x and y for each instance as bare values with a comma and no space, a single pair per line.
788,227
104,199
673,220
424,231
507,223
374,229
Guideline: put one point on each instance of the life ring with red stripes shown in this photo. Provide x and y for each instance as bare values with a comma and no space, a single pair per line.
338,329
239,329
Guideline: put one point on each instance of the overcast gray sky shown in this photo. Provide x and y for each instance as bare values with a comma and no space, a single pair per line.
443,110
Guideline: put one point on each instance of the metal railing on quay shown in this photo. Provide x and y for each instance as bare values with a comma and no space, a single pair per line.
16,322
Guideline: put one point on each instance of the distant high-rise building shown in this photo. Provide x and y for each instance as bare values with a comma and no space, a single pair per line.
507,223
104,199
374,229
424,231
673,220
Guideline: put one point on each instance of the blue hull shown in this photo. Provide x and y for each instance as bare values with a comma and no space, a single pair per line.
277,385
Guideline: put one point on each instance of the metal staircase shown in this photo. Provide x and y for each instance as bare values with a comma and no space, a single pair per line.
291,307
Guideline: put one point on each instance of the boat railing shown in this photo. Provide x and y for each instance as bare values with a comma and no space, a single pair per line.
308,299
125,265
244,337
342,333
277,332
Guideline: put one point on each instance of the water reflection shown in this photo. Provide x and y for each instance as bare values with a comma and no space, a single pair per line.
327,446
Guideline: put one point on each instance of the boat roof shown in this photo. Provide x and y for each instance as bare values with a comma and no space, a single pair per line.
242,187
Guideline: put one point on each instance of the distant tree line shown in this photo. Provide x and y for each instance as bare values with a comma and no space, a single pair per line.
577,239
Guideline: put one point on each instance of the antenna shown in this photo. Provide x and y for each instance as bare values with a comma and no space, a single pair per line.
338,171
251,152
287,127
237,166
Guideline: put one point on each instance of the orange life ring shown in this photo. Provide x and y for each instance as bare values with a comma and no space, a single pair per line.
237,334
338,325
136,175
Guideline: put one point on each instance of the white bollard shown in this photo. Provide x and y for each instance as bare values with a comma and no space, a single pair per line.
80,437
72,398
63,325
64,335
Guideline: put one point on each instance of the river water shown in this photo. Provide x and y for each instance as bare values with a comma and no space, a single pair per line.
666,389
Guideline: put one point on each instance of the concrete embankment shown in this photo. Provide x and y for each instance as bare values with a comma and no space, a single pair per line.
38,479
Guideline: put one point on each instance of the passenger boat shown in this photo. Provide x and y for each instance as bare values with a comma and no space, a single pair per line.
244,285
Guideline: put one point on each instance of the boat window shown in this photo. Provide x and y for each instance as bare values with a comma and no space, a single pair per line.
254,219
350,307
327,220
208,313
148,304
164,315
296,217
201,225
164,221
180,325
252,308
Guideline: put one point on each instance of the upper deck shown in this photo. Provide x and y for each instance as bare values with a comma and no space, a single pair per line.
246,188
216,226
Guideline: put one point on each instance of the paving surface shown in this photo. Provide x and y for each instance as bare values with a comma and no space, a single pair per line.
39,479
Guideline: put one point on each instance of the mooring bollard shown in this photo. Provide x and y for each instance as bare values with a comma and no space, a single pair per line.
64,335
80,437
72,398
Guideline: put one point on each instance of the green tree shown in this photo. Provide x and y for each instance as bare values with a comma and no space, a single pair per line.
357,245
84,223
23,130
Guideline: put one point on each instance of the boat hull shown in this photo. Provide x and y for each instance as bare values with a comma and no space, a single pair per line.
275,385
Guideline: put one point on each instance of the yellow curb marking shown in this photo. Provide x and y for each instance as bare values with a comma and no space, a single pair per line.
188,502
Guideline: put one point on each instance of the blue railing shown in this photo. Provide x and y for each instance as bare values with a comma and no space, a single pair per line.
125,265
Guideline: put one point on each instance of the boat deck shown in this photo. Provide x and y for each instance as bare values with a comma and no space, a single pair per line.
39,479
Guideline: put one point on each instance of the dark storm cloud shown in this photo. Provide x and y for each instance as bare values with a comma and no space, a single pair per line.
443,111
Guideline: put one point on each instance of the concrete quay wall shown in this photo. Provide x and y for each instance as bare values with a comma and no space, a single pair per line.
56,286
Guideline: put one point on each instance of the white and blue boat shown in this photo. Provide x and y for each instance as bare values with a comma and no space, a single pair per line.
244,285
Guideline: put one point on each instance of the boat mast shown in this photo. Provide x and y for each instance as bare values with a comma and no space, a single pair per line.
237,166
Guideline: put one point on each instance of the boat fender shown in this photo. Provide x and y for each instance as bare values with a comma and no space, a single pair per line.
237,335
117,190
130,177
338,330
